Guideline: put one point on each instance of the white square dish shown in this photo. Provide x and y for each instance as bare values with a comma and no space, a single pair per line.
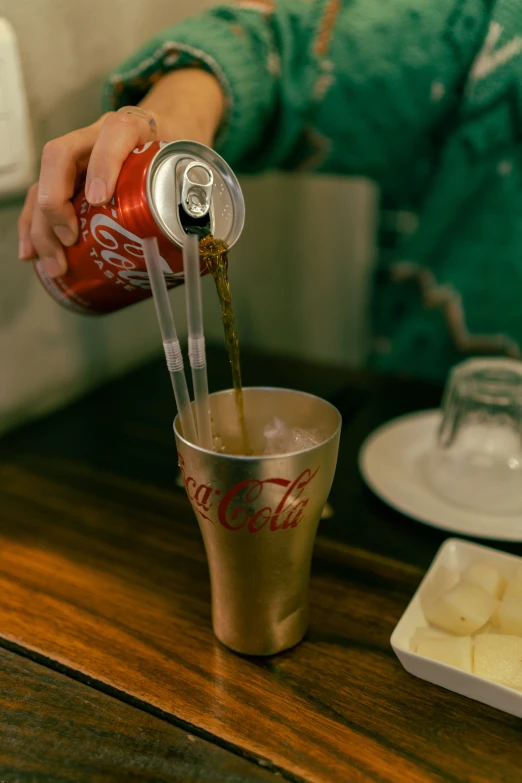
451,559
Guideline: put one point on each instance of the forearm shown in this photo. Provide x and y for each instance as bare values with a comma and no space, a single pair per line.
254,56
188,98
351,86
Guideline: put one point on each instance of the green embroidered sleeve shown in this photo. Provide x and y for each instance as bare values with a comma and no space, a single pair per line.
348,86
424,97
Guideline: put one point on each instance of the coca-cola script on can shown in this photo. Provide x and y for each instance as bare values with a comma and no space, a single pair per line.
164,191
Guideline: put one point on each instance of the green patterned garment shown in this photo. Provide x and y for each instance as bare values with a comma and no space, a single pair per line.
422,96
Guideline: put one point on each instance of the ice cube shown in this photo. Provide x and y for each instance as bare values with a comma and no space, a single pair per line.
305,439
277,437
218,444
281,439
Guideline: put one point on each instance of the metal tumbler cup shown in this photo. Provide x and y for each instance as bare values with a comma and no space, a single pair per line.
259,514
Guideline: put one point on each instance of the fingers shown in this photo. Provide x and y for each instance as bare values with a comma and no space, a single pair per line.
119,135
46,244
62,160
26,250
48,220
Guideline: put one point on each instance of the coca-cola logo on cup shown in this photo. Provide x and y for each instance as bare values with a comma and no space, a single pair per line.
241,506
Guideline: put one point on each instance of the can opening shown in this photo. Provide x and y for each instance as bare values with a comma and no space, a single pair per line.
191,190
193,225
196,199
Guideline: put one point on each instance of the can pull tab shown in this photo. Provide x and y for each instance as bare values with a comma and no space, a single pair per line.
196,189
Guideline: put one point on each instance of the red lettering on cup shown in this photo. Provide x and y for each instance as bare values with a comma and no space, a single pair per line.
289,501
202,496
236,508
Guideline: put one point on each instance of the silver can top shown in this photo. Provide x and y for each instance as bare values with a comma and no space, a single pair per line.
191,189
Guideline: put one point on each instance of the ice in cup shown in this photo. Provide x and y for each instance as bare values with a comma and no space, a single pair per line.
477,461
259,514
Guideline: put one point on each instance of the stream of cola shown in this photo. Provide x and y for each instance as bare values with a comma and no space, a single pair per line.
214,253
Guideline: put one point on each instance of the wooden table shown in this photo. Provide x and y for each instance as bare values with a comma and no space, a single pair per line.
109,670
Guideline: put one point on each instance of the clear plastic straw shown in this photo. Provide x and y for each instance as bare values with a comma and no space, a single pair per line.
169,335
196,340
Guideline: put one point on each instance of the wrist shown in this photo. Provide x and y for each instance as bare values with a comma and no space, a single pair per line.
187,103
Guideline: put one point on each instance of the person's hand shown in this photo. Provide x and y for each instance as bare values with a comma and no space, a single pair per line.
185,104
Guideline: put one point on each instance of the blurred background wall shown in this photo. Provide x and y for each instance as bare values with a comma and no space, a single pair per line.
300,273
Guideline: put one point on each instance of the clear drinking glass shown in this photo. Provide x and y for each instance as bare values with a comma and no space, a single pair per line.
477,462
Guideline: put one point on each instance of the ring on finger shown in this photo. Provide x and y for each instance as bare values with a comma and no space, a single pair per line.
145,115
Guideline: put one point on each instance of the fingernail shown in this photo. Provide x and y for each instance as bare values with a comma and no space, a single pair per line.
25,249
65,235
52,266
97,191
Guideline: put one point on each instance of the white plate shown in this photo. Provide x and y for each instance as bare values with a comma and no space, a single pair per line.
390,462
453,556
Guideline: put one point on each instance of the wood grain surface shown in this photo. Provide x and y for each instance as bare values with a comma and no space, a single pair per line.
53,728
103,574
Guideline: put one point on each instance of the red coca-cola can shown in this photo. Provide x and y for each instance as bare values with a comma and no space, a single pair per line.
165,190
